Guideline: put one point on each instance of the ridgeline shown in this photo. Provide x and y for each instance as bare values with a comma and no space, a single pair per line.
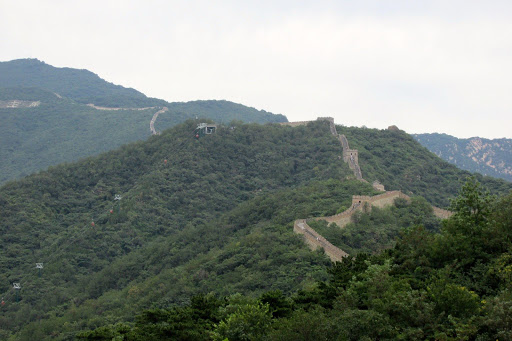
53,115
152,224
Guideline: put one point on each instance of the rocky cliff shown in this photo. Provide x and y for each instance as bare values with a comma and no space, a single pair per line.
488,157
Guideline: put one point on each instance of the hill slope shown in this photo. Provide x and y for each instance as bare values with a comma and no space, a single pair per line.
45,120
399,162
194,216
488,157
82,86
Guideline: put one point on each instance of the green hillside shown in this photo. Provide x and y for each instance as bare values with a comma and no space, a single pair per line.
82,86
453,285
60,127
399,162
61,130
212,215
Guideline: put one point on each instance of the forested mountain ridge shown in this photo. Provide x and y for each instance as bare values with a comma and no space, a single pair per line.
45,120
399,162
213,214
478,155
82,86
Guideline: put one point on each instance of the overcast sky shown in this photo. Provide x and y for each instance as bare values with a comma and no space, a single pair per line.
425,66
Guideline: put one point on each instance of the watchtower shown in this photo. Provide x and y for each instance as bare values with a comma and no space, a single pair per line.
204,129
351,156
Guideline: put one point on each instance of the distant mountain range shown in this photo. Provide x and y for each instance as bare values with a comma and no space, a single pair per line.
488,157
82,86
51,115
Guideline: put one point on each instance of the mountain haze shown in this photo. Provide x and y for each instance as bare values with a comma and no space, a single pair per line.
82,86
477,155
45,119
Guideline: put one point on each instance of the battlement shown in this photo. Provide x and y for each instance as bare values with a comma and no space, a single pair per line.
359,202
303,123
315,240
328,119
351,156
378,186
295,124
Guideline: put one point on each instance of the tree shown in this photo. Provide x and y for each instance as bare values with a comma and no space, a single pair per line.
246,320
472,206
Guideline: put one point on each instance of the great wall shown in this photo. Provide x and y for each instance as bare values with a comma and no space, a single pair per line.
152,122
19,104
359,202
14,104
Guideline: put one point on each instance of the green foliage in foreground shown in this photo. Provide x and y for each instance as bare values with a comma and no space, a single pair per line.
452,285
217,217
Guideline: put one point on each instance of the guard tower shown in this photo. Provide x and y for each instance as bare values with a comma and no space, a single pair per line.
204,129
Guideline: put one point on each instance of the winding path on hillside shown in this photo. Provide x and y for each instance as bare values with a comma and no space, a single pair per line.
117,108
359,202
15,103
152,123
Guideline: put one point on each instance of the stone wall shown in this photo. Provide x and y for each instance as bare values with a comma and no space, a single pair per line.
359,202
295,124
19,104
303,123
315,240
442,214
351,156
380,200
378,186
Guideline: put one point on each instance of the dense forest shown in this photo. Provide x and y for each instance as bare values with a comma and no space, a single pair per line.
61,130
82,86
191,238
451,285
395,159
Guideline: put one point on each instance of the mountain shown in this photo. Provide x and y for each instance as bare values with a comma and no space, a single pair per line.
81,86
155,222
45,119
477,155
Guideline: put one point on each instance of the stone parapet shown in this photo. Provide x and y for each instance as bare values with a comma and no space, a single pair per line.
315,240
294,124
442,214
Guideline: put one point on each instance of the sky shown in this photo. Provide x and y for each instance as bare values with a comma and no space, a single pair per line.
425,66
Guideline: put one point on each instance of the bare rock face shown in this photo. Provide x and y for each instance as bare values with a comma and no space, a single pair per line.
476,154
393,128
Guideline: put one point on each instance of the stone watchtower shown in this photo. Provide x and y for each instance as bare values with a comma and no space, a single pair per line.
350,156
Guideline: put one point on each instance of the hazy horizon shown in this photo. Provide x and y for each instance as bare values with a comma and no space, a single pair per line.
425,67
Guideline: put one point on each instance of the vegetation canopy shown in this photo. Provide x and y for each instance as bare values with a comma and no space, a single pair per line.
192,238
